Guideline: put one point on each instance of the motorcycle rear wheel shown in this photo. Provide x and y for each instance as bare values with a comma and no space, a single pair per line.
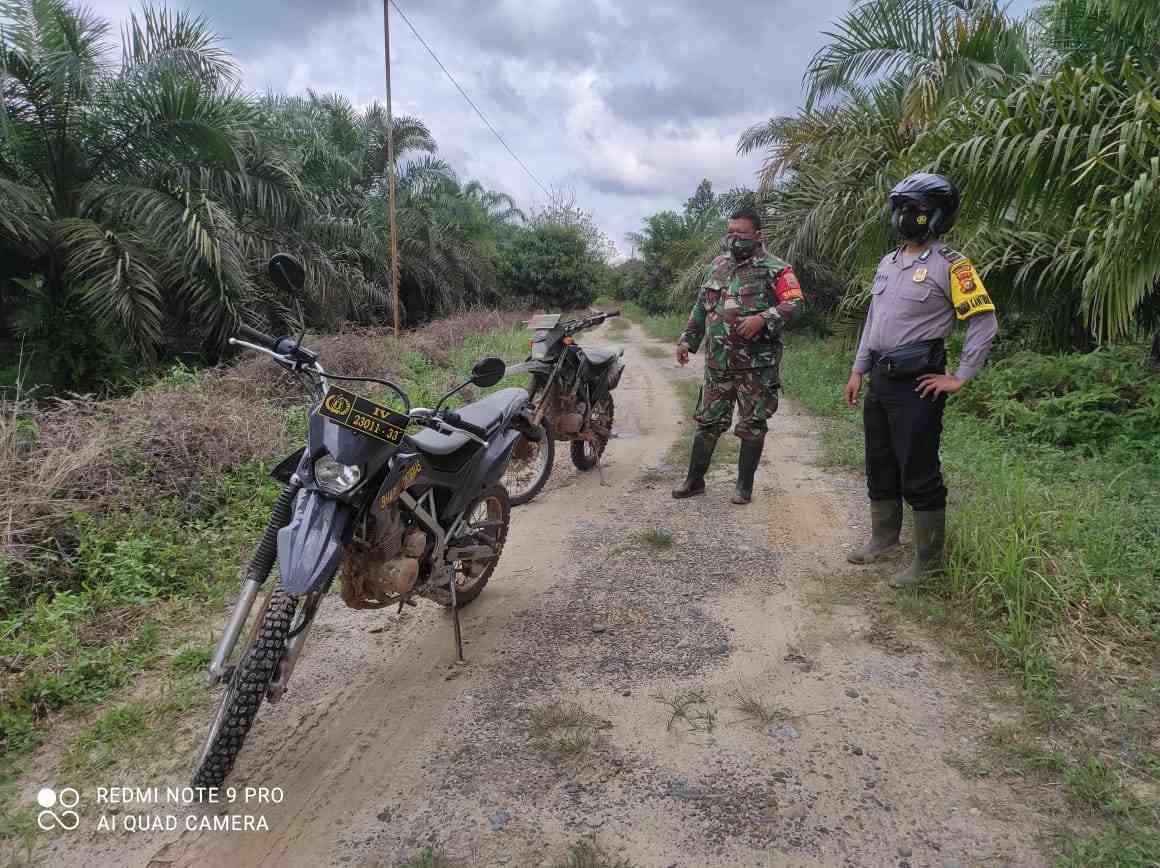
526,477
489,517
246,690
585,453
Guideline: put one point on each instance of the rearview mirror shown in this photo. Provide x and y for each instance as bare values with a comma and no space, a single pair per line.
488,372
287,274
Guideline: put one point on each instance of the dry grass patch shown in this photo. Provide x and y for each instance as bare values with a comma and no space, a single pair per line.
565,728
691,706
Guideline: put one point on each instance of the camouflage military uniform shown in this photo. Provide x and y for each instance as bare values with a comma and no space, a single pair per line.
738,370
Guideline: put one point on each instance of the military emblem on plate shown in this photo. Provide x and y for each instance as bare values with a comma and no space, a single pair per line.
920,275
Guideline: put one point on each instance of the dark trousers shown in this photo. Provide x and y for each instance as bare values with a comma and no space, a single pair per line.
903,431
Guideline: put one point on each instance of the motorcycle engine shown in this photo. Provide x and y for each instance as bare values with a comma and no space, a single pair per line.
382,562
566,416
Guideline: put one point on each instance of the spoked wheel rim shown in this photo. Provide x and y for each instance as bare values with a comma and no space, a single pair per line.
486,521
528,463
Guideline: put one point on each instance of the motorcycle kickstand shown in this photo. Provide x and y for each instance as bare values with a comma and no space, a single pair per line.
455,614
600,468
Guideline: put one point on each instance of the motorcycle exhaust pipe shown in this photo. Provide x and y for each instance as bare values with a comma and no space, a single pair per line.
217,666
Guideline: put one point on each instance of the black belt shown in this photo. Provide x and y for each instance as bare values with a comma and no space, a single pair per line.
911,360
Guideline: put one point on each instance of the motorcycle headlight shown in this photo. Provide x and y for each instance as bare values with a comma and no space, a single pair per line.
336,478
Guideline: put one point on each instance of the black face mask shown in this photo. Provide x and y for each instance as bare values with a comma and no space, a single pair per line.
912,225
742,248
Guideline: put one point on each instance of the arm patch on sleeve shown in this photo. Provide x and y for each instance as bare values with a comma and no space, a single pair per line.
787,287
968,295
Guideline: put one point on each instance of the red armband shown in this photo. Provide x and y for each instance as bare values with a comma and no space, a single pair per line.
788,288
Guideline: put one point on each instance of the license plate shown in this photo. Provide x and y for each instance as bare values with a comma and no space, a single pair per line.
362,416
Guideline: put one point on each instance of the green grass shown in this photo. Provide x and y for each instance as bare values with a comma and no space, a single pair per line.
431,857
426,381
1116,847
662,326
656,537
1052,577
587,853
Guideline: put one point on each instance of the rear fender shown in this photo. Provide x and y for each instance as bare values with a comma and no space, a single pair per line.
311,545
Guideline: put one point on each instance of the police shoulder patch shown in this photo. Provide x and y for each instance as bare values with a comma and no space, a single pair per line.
968,295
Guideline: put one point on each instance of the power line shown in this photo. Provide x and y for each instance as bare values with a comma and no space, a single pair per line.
494,131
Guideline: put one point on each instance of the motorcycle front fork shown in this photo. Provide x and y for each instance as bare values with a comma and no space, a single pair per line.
256,574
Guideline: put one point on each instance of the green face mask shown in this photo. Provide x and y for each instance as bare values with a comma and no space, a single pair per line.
742,248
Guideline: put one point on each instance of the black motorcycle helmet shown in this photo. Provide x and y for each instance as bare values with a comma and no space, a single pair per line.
937,192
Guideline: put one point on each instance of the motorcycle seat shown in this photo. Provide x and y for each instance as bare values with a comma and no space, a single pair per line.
488,413
598,357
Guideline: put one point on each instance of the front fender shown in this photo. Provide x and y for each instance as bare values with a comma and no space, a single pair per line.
311,545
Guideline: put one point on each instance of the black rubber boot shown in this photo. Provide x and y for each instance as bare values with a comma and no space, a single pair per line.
930,532
746,468
886,521
699,458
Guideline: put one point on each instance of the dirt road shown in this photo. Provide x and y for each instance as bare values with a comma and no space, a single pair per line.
812,729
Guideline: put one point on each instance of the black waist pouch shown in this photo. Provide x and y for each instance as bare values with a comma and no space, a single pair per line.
912,360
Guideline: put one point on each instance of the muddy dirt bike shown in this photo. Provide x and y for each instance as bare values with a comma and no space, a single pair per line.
571,393
400,515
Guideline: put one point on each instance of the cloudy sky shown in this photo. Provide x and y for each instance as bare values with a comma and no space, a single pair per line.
628,104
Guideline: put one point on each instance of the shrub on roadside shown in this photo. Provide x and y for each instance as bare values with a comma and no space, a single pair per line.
1104,401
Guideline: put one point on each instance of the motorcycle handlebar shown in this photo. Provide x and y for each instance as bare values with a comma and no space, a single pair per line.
284,346
453,418
256,337
573,326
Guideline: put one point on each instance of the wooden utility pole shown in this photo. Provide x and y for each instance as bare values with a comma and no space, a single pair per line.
391,167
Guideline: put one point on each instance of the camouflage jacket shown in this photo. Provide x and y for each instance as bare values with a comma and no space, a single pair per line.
763,285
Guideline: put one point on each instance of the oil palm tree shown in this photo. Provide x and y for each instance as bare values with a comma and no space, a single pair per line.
126,186
1064,170
941,49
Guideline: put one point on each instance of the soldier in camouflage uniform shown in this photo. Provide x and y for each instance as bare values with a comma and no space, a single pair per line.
746,299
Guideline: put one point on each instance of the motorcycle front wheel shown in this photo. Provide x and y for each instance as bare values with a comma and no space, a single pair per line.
585,453
529,468
246,689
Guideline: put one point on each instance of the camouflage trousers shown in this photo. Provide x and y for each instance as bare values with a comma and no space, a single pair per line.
754,391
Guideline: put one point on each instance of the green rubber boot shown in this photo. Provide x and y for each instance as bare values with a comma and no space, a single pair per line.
699,458
886,523
746,468
930,532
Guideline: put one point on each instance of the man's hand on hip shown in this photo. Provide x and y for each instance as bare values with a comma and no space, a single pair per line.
933,385
682,355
